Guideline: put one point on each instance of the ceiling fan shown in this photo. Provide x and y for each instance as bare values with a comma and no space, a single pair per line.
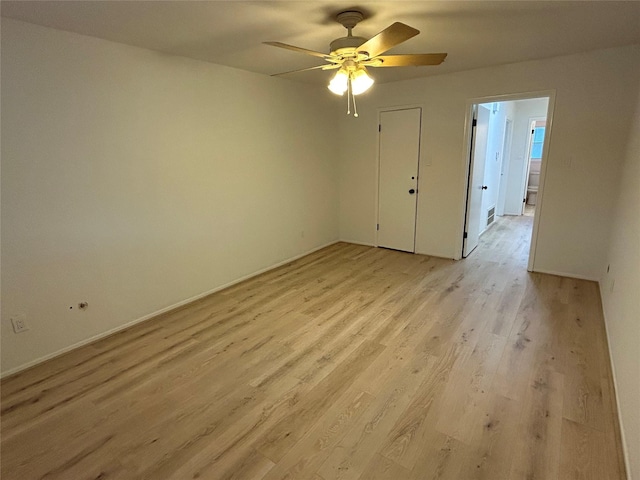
351,55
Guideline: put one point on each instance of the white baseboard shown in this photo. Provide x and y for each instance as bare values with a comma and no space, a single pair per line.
366,244
623,439
565,274
434,255
124,326
356,242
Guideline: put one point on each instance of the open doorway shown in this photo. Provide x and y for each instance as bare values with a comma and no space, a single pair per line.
507,143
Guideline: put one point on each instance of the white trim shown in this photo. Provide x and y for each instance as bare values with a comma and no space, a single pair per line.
99,336
623,438
444,257
565,274
543,175
357,242
508,97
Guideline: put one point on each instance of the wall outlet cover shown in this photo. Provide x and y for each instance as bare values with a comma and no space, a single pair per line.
19,323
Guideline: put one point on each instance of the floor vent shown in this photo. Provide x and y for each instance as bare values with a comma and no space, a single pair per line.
491,215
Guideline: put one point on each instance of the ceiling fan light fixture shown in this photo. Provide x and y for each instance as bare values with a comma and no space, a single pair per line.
351,54
339,82
360,81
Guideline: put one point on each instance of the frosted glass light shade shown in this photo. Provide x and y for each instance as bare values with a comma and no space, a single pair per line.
338,83
360,81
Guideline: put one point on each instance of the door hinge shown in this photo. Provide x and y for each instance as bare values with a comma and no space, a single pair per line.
379,128
532,132
377,226
465,235
474,122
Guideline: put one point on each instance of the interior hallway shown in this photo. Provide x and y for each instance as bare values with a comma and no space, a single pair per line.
353,362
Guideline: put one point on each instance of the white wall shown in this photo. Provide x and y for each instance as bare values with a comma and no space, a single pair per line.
493,163
135,180
620,290
592,111
524,111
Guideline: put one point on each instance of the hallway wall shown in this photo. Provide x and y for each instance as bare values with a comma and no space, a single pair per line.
619,287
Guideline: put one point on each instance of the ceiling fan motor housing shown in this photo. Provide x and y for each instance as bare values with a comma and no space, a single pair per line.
339,45
347,45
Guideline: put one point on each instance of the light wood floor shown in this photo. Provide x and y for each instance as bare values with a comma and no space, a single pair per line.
351,363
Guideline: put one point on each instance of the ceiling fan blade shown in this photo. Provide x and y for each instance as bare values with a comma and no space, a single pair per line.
416,59
387,39
323,67
296,49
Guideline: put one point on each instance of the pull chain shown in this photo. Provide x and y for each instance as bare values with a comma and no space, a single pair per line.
351,98
355,109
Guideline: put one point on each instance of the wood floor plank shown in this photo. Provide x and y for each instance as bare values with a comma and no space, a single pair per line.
381,468
584,453
537,448
205,448
285,434
351,456
307,455
415,426
352,362
491,445
468,390
441,459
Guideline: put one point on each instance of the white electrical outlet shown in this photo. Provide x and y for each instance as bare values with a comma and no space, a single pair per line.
19,323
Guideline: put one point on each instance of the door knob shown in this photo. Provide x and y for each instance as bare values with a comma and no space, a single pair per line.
484,187
412,191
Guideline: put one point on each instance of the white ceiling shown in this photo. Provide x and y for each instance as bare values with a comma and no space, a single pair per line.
474,33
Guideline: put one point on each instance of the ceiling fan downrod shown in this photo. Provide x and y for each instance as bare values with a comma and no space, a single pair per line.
347,45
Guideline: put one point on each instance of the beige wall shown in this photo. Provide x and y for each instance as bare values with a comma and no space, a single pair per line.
620,289
592,112
135,181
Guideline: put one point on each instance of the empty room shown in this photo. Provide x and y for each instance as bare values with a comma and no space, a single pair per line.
320,240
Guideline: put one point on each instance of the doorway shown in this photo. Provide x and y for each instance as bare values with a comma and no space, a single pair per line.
500,177
399,154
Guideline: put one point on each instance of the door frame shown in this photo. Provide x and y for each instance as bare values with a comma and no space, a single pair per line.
380,111
464,181
525,174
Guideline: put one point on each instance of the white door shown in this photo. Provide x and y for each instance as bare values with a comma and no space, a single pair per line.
399,139
476,177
